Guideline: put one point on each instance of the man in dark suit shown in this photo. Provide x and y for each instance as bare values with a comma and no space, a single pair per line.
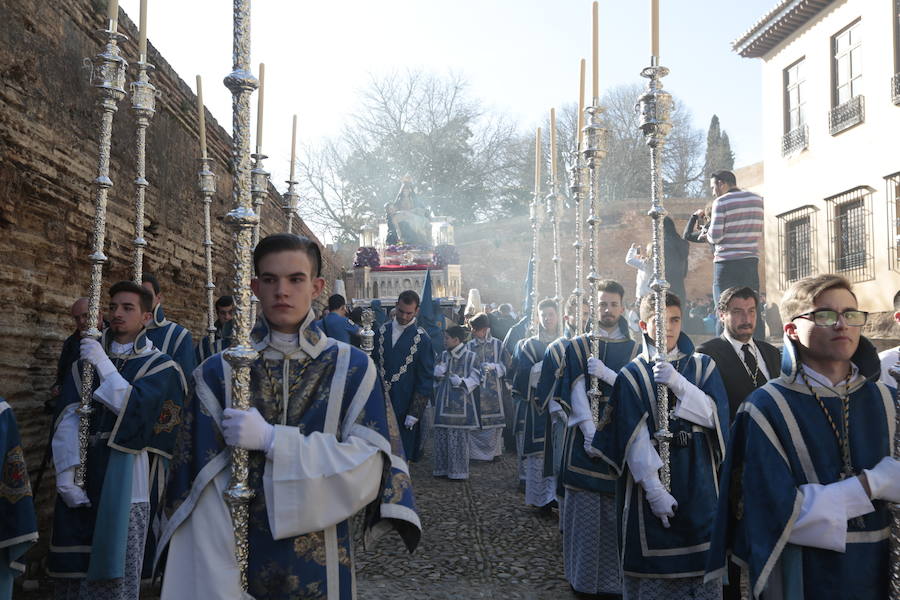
744,363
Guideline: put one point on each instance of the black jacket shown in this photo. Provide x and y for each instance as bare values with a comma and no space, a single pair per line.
738,383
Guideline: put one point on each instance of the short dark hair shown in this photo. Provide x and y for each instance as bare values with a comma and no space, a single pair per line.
224,301
335,301
613,287
648,304
479,321
736,292
505,308
897,302
282,242
144,295
726,177
408,297
151,279
457,331
548,303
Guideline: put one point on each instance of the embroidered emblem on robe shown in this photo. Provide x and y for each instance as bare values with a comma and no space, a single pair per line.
14,484
169,417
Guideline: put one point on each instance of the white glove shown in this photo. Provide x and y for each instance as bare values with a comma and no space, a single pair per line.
71,494
588,430
884,479
410,422
662,503
247,429
596,368
440,370
93,352
455,380
665,373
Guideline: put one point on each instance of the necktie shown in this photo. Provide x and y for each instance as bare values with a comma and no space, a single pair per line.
750,361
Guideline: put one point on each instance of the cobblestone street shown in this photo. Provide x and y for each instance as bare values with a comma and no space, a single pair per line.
479,540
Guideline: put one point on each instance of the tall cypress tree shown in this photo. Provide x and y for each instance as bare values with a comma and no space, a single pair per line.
718,150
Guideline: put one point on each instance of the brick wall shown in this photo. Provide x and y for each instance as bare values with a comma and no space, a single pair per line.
48,150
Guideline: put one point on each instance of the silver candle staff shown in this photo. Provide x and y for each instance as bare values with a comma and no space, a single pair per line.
554,209
241,219
291,199
579,190
655,105
108,76
894,590
206,185
259,179
596,139
536,233
143,103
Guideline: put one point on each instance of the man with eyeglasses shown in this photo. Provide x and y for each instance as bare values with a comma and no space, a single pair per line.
804,490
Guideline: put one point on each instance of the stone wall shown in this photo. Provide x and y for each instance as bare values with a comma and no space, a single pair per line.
48,154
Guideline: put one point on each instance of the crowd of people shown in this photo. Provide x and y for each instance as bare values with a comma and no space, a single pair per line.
770,477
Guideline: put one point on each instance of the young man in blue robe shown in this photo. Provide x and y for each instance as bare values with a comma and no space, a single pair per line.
456,377
486,443
335,324
810,474
168,336
323,445
528,359
99,531
665,534
18,527
405,364
224,307
590,546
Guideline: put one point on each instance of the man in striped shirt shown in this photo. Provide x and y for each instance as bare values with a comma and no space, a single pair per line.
735,229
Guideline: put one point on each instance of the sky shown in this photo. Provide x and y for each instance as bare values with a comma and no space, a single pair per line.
520,57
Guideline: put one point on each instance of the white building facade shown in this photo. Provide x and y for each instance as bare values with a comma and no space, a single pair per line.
831,130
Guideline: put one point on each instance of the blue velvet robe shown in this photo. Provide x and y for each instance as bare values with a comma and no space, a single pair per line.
413,388
782,440
454,407
18,523
528,353
337,327
174,340
207,348
490,394
580,471
293,567
549,388
649,549
90,541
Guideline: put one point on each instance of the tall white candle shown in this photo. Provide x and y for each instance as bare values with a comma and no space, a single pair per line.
201,115
259,107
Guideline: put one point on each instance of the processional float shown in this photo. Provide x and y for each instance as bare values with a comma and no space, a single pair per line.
242,219
654,106
108,77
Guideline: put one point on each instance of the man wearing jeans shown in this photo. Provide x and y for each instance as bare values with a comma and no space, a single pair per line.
735,229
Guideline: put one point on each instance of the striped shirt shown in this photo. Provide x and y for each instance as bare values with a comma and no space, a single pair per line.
736,225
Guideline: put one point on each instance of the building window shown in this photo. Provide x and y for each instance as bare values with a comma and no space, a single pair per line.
892,193
796,136
848,107
850,249
797,244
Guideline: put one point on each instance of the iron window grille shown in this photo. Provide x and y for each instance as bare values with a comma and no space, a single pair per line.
795,140
797,244
846,115
892,193
850,234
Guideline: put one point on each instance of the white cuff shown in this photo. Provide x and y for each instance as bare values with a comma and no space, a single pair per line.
535,374
471,383
607,375
65,440
554,407
316,470
824,513
500,368
581,408
642,458
695,406
111,392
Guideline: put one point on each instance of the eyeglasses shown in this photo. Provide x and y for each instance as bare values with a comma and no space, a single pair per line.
825,317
